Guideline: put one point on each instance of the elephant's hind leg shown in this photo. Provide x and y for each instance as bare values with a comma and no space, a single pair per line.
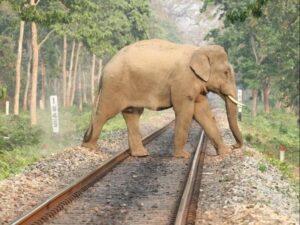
132,117
103,112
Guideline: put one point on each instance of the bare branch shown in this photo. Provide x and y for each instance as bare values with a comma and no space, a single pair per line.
254,49
45,38
37,2
258,59
262,59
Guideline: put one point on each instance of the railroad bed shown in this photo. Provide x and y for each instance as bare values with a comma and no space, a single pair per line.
137,191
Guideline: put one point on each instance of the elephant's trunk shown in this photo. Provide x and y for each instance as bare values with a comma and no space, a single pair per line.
232,115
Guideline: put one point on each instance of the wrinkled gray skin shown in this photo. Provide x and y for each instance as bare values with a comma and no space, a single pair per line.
157,74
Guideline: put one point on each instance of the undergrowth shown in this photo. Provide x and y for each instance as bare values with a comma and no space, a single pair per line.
21,145
267,132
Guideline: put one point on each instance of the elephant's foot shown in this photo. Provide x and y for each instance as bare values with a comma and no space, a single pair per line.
224,150
182,154
236,145
89,145
139,152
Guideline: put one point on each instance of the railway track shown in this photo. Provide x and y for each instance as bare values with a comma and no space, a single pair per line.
158,189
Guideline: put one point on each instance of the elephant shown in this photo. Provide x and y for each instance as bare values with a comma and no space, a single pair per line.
158,74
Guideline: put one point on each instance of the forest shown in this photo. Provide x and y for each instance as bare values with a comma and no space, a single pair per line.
60,47
262,40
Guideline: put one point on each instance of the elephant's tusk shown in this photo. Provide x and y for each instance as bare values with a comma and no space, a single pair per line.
235,101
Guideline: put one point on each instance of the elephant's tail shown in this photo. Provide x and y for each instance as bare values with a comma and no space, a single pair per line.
95,111
88,134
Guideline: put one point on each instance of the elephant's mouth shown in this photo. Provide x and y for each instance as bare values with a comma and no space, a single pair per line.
235,101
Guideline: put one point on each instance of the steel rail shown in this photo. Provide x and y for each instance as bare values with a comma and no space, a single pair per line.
58,201
192,183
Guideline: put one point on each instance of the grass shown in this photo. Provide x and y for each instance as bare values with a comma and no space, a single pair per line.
15,157
262,167
267,132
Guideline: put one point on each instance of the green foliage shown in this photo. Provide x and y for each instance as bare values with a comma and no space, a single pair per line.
104,26
49,13
33,144
3,92
285,168
7,59
262,167
238,11
12,162
268,132
264,49
16,132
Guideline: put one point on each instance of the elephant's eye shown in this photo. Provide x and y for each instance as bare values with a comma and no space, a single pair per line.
227,73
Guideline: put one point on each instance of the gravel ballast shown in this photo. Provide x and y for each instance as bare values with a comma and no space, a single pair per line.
243,188
22,192
234,189
140,190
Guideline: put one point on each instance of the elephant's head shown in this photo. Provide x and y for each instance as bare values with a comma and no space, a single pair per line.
210,63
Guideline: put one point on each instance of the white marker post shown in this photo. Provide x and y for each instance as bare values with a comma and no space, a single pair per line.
240,99
54,114
282,150
7,108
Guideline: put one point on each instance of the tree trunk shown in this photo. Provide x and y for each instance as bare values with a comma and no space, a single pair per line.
64,71
35,63
80,92
55,86
43,94
18,69
99,71
70,74
75,73
84,89
266,95
278,104
254,102
25,97
93,79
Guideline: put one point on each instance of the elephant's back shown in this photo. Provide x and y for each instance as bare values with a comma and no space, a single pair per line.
148,61
146,55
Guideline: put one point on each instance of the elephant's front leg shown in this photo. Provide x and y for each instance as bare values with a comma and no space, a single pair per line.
204,116
184,116
134,137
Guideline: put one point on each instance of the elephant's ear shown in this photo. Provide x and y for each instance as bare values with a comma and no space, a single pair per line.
200,65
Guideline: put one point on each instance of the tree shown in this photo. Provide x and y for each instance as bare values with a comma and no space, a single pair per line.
64,70
259,44
98,27
18,69
32,14
34,75
70,74
93,78
25,96
43,92
75,74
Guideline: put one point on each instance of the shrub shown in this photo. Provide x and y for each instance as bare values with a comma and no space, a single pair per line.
15,132
262,167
